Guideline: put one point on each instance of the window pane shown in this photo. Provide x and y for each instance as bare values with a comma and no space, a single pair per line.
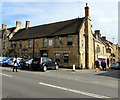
44,42
29,43
66,57
57,57
69,41
20,43
57,42
50,42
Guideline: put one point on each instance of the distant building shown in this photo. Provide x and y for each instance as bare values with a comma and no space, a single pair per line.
104,49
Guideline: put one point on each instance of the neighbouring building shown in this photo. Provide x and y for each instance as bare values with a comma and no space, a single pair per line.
0,43
119,54
99,47
104,49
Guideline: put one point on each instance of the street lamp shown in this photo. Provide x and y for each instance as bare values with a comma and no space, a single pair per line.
113,40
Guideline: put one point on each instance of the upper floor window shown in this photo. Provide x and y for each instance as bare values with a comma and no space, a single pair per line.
69,41
20,43
45,41
82,43
50,42
97,49
103,50
108,50
30,43
57,42
13,45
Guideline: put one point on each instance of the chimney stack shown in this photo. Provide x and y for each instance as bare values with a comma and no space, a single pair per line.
104,38
97,33
18,24
27,25
4,26
87,10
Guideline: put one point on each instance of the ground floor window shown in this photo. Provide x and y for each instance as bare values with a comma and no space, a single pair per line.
66,58
57,57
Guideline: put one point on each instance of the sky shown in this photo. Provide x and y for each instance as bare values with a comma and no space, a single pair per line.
103,13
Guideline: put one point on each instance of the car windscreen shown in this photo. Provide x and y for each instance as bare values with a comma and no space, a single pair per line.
46,59
36,59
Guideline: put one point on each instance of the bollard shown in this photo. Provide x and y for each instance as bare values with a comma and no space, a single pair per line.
73,67
96,70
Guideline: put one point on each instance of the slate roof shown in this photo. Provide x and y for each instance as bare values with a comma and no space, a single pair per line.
53,29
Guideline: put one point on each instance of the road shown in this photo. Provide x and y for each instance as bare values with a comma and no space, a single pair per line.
62,83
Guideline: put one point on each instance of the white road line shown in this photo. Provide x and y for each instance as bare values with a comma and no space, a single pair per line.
5,75
75,91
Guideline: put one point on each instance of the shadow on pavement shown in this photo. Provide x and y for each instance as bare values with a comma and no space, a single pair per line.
110,73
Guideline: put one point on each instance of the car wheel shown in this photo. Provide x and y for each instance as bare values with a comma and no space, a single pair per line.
30,67
56,67
44,68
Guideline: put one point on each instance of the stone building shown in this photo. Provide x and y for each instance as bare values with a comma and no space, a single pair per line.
99,47
68,42
104,49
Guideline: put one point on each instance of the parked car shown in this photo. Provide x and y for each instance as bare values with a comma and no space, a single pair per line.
9,59
115,65
18,62
43,63
2,60
22,63
29,62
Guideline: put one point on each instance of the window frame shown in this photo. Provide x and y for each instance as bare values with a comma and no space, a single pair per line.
45,43
69,41
30,43
66,58
56,42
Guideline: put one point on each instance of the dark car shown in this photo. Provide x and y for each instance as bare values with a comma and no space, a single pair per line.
43,63
22,63
115,65
28,62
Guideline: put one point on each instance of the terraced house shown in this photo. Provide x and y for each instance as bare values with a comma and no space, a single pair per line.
104,49
67,42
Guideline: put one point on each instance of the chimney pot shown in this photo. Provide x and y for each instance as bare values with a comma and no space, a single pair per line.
97,33
87,10
18,24
27,25
4,26
103,38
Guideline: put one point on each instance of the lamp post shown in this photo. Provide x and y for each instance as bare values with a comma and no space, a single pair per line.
113,40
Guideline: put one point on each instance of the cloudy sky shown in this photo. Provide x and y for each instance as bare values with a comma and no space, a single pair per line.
104,13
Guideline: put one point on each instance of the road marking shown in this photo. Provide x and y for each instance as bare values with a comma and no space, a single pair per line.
75,91
5,75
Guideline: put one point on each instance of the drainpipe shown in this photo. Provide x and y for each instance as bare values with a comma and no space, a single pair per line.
33,47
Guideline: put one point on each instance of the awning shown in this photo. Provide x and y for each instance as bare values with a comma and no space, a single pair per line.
102,57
